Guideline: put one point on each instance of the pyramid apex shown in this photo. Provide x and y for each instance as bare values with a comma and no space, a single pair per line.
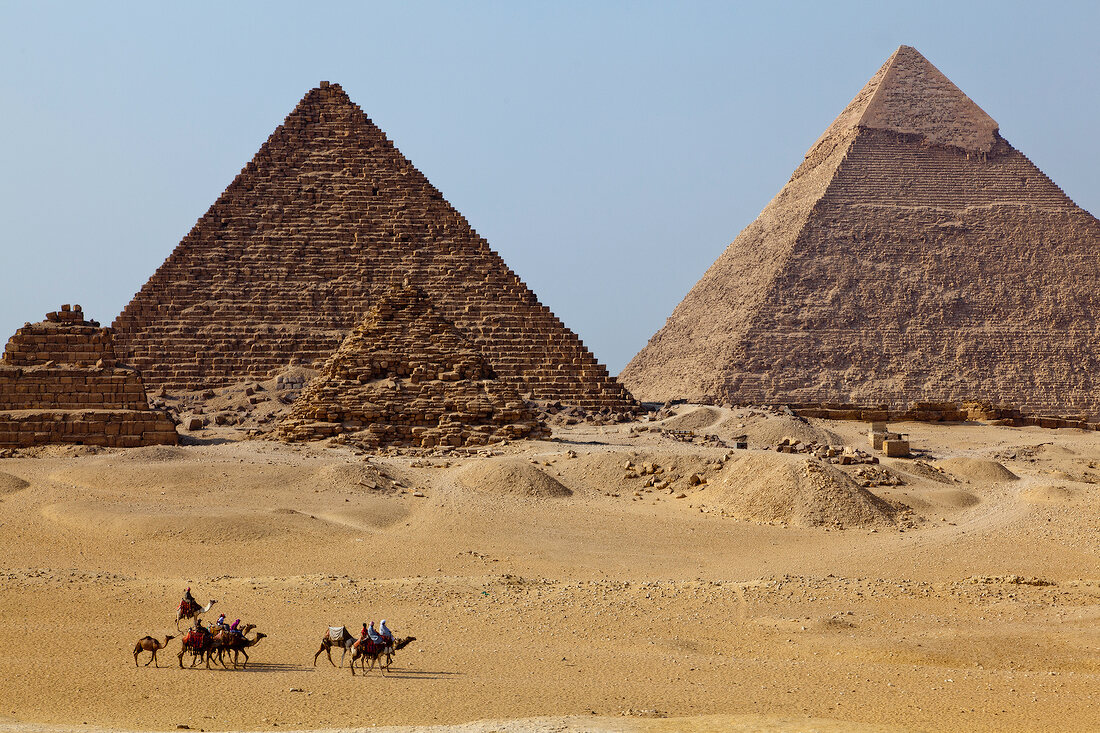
912,97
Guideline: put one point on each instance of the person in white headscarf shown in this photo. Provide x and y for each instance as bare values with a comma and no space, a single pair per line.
385,632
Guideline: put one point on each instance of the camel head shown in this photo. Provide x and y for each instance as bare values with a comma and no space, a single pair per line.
402,643
259,635
168,638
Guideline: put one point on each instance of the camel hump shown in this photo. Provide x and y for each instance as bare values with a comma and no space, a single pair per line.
146,638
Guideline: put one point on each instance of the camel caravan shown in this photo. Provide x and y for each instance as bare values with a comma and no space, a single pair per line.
231,640
375,646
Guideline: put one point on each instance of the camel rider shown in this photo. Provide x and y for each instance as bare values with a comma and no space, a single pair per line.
188,601
373,635
233,629
221,624
362,636
385,633
199,627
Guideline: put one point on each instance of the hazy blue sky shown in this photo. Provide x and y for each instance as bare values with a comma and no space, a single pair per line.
609,151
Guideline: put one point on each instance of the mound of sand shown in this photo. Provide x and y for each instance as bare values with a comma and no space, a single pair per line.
1050,494
921,469
605,470
510,477
790,489
978,470
106,519
356,476
940,499
10,484
150,454
106,473
768,429
693,419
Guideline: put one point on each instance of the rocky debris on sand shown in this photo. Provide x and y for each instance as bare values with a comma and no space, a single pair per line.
555,413
840,455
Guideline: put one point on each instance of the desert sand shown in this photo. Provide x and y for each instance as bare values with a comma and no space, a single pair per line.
955,590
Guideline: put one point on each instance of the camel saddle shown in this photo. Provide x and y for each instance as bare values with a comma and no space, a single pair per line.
336,634
372,647
193,638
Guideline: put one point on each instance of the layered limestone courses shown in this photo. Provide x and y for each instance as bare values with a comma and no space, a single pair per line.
405,376
60,383
914,256
328,215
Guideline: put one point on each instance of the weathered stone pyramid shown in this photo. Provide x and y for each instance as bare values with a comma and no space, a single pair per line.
407,377
60,383
914,256
328,215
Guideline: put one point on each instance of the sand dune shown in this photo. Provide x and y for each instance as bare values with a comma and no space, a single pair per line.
777,487
213,524
510,477
1051,494
693,418
10,484
978,470
620,606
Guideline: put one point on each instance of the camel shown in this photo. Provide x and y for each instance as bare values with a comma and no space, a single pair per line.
192,612
344,640
237,644
199,647
382,654
149,644
223,639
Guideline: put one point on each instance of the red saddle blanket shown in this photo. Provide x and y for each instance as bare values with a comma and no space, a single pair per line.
193,638
372,647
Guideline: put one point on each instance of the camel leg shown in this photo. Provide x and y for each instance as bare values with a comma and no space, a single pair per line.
243,666
137,650
324,648
181,656
154,660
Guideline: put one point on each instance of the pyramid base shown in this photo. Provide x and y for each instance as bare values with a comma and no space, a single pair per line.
108,428
385,435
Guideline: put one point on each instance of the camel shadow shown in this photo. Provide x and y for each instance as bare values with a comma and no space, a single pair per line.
418,674
273,667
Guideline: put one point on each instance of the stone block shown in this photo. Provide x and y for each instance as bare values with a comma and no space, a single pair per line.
895,448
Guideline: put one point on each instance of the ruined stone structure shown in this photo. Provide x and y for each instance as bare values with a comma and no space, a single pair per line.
914,256
407,377
328,215
60,383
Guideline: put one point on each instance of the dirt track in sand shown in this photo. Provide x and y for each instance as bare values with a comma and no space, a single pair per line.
618,609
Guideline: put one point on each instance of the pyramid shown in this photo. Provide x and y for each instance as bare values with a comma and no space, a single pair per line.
405,376
327,215
914,256
60,383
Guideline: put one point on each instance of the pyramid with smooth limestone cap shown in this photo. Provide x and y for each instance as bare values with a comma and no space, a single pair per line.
328,215
914,256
